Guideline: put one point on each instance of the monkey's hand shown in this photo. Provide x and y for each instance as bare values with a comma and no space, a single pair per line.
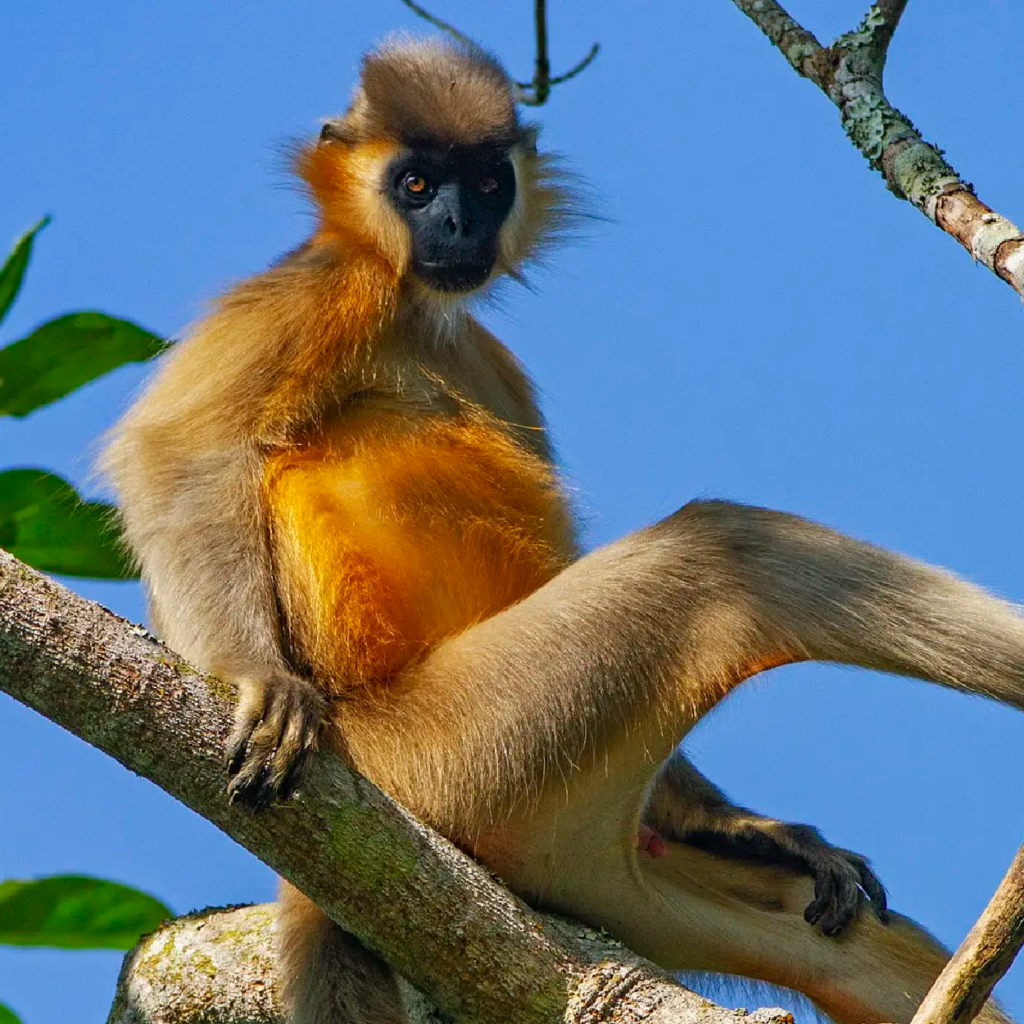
277,726
841,878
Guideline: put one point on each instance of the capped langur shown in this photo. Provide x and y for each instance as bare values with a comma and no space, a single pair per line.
343,499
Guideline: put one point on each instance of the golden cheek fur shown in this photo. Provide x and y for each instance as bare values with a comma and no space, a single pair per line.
347,183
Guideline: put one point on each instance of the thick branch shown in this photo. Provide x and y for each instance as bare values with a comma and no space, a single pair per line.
438,918
849,72
217,967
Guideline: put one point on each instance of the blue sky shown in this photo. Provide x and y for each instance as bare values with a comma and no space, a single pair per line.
757,319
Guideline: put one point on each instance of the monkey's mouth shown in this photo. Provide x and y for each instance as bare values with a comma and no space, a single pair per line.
453,277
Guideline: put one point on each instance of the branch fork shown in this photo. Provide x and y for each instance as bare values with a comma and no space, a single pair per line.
850,73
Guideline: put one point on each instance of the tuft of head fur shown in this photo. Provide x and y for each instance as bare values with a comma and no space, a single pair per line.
433,93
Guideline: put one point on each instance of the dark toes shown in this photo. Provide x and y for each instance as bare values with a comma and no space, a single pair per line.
247,785
824,894
269,747
875,891
840,886
298,741
247,718
844,906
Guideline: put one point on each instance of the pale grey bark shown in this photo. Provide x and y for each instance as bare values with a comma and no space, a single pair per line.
217,967
850,72
478,952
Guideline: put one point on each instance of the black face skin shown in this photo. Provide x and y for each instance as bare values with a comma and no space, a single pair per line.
454,201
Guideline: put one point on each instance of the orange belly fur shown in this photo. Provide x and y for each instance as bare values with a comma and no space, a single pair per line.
390,536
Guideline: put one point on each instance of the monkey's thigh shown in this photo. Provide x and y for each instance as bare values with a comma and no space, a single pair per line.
533,738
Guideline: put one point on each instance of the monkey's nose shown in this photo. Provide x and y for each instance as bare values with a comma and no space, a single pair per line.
457,218
457,223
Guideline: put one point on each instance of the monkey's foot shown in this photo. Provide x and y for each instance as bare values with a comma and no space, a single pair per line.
842,879
277,724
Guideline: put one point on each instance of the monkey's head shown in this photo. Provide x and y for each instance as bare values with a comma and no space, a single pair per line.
431,168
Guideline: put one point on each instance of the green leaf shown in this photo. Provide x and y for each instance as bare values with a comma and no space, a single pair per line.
8,1016
13,270
74,912
66,353
45,523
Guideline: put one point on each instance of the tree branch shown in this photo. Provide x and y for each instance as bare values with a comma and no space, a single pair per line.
536,92
477,951
983,958
850,72
217,967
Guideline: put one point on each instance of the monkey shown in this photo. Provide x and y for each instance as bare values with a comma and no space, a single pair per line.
343,499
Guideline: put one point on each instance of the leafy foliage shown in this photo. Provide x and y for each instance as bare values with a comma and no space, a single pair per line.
45,523
63,354
13,270
76,912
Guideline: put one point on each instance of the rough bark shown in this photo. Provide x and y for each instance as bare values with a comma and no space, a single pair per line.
475,950
217,967
850,72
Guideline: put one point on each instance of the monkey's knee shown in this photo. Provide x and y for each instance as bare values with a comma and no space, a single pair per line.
327,975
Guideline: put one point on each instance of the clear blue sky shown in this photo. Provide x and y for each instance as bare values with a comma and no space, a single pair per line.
759,320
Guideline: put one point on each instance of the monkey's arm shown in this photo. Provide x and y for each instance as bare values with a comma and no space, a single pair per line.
191,511
687,807
187,464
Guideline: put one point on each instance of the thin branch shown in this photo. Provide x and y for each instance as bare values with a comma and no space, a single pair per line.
983,958
444,26
582,66
850,73
796,44
541,66
536,92
477,951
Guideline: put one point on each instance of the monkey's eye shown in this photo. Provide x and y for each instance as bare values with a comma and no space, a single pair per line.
487,185
415,184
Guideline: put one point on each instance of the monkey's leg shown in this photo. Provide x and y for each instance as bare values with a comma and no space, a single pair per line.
686,806
533,737
719,914
328,976
601,672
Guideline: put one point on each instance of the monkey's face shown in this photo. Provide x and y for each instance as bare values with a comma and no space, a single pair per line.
454,203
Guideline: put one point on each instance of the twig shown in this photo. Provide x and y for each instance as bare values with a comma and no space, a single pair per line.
582,66
850,72
438,23
983,958
541,84
536,92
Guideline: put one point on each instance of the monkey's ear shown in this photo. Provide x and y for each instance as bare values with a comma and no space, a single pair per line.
528,138
336,131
